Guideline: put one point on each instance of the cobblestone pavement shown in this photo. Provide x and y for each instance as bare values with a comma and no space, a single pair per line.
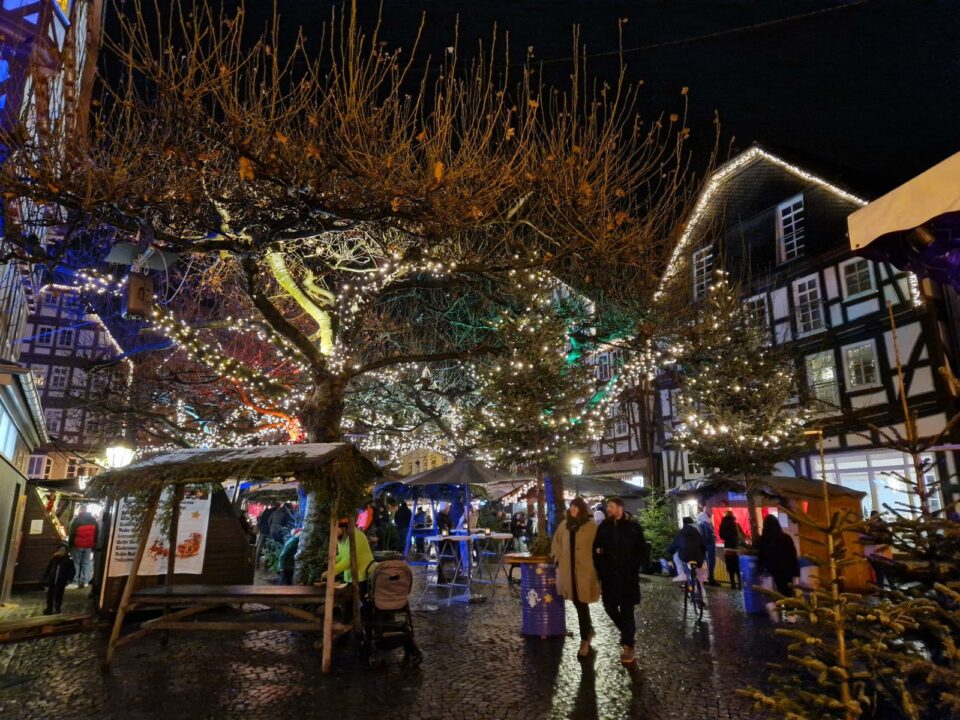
476,666
30,604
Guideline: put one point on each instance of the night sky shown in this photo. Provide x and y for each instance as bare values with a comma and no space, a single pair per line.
867,92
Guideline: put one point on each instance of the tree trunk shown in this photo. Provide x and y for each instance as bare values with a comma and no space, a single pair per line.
320,414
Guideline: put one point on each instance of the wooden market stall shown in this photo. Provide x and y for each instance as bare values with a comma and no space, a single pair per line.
170,479
49,508
229,562
800,494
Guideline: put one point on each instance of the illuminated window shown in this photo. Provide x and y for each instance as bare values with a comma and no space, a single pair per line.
822,378
790,229
861,365
702,270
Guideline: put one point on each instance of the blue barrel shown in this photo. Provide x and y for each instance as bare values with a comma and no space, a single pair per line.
543,611
754,602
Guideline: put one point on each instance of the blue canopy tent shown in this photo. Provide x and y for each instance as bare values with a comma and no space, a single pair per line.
446,482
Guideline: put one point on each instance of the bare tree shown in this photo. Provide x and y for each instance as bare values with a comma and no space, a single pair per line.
334,204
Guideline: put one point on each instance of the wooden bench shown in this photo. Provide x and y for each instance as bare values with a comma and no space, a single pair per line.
192,600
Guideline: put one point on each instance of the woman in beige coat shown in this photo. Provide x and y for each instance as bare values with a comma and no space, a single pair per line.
576,576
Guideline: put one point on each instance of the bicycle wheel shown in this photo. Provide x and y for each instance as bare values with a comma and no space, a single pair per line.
698,598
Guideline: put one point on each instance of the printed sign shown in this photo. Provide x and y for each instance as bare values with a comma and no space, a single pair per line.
191,538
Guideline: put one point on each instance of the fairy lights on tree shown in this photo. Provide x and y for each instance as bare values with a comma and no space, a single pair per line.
334,207
735,403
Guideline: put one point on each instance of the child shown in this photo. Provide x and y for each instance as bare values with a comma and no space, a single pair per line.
60,571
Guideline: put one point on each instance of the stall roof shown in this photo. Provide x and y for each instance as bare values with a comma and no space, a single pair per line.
602,487
772,485
915,226
459,472
931,193
215,464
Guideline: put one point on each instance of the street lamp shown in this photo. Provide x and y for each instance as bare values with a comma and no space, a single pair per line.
119,455
576,465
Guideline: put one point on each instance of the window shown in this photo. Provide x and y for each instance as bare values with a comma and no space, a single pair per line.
692,467
44,335
8,435
702,269
39,467
65,338
49,298
857,278
755,309
806,295
73,467
617,424
603,367
822,379
94,426
58,377
790,228
861,362
52,419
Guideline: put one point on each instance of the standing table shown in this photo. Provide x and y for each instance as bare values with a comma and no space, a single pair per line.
493,546
452,547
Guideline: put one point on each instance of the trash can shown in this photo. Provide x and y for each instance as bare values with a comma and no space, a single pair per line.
543,611
754,603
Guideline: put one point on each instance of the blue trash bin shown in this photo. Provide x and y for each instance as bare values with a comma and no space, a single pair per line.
754,603
543,611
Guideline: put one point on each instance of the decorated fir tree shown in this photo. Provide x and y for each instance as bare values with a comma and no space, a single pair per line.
893,654
736,389
536,399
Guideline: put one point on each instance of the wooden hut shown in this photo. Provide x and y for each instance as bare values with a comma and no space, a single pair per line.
228,560
48,510
800,494
337,471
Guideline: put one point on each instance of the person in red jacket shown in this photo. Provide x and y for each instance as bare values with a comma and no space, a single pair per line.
83,538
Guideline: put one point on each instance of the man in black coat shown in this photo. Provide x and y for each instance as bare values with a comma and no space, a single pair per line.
619,552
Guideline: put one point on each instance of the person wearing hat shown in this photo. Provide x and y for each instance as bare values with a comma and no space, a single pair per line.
60,571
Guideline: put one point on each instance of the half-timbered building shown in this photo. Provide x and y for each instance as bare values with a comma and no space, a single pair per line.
73,358
780,231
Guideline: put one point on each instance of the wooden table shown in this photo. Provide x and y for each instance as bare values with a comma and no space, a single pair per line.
195,599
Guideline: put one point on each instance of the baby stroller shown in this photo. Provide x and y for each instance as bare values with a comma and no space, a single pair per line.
386,620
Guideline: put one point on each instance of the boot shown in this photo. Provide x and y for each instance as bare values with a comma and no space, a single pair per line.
627,657
585,645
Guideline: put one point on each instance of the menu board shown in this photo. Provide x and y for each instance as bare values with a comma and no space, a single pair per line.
191,538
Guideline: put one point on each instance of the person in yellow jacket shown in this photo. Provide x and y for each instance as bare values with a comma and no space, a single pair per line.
364,553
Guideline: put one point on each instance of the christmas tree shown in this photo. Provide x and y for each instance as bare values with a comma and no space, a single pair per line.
736,389
536,398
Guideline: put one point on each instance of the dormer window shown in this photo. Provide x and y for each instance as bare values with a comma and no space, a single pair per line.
790,231
702,269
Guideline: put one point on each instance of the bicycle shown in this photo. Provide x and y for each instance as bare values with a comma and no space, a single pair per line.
692,590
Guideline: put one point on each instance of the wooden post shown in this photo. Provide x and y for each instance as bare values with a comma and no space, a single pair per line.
132,578
329,590
354,573
178,490
408,537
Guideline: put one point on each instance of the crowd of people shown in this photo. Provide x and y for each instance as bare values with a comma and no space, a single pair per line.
600,556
